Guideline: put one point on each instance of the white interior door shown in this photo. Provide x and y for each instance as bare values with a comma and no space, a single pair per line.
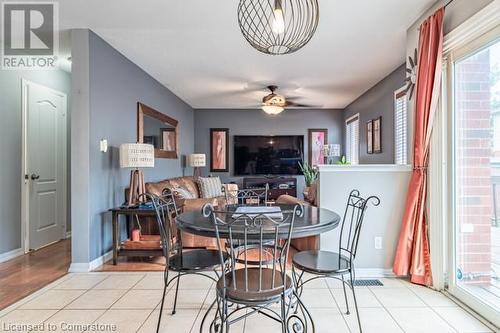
45,164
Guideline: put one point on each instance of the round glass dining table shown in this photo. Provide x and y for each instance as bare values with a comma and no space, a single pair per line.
314,221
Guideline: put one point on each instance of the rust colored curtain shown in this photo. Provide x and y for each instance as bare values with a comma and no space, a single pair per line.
412,255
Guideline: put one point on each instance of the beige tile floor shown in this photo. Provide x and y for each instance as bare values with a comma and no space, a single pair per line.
129,302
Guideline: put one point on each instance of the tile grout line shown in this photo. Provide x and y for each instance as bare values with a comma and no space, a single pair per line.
109,308
432,309
387,310
201,308
342,314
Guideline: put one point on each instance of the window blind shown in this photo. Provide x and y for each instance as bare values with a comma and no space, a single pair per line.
400,128
352,140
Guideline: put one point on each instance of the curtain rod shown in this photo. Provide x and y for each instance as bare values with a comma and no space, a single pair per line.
449,2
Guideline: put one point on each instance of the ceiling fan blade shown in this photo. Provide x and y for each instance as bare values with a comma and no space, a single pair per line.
300,105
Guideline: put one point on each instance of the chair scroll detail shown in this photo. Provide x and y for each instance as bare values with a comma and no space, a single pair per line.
249,196
196,261
326,264
250,285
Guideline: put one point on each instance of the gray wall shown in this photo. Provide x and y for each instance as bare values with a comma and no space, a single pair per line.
115,85
377,101
10,147
256,122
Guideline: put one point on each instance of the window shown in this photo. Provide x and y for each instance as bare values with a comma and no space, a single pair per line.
400,127
352,139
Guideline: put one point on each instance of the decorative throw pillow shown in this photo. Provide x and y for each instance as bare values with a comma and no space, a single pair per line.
182,193
210,187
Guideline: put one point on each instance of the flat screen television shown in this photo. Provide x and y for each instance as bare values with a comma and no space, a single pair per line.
268,155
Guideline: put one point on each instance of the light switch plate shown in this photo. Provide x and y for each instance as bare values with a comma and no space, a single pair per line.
378,243
103,145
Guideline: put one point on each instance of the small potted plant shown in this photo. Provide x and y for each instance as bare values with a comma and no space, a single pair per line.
343,161
310,175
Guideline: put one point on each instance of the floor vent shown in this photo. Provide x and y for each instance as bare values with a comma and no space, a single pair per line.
367,283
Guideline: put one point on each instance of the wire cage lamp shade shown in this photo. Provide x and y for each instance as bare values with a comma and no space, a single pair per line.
278,26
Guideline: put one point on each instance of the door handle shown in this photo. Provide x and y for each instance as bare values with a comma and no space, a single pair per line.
34,176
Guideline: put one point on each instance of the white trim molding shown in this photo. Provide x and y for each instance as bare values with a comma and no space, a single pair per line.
479,24
365,273
11,255
90,266
364,168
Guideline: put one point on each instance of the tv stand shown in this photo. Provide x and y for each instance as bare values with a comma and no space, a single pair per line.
277,185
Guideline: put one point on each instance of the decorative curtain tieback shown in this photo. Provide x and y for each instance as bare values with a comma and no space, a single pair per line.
420,168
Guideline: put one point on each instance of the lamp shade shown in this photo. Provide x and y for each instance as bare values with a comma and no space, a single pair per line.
137,155
197,160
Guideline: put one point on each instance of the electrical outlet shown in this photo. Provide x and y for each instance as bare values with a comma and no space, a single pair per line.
378,243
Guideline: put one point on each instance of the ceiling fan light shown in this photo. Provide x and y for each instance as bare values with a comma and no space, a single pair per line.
272,109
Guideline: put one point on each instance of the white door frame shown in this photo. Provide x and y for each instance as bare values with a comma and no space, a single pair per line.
25,244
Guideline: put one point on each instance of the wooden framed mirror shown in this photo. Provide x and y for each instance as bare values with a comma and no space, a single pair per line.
158,129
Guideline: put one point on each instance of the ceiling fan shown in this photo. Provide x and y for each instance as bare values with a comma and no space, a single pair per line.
274,103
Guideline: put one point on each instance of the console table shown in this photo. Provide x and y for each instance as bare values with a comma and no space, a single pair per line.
277,185
118,249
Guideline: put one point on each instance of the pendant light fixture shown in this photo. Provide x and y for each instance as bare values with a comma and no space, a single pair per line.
278,26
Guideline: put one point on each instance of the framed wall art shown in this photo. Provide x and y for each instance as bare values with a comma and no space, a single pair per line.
369,137
318,138
377,135
219,152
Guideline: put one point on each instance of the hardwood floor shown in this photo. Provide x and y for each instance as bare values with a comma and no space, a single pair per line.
126,264
26,274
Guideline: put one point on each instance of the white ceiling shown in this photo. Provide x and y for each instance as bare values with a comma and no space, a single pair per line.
195,48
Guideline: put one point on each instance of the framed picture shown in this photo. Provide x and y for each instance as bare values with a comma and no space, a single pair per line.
150,139
369,137
377,135
168,138
219,153
318,138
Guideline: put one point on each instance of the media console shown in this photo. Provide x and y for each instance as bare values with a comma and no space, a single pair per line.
277,185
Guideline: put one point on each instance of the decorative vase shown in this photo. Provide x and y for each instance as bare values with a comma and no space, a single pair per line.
136,235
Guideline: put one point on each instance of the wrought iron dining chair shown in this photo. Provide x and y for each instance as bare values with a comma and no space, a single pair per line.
248,196
253,285
196,261
326,264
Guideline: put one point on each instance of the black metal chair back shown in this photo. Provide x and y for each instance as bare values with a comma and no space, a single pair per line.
352,222
166,211
270,232
249,196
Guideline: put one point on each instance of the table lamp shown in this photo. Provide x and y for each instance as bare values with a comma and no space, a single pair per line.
136,156
197,161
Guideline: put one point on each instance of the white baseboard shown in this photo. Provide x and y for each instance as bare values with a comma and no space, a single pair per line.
89,267
11,254
374,273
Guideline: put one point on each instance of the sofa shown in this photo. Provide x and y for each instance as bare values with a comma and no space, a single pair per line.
196,203
188,205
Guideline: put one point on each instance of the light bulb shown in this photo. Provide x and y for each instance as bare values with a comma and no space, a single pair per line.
278,24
